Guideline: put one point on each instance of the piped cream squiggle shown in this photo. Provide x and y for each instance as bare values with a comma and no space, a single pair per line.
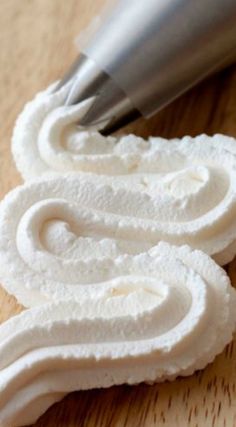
62,237
47,138
123,335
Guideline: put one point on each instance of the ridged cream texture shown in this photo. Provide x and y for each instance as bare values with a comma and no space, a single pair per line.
167,313
47,138
58,235
188,186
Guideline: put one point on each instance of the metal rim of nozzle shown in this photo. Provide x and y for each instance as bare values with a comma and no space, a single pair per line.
111,109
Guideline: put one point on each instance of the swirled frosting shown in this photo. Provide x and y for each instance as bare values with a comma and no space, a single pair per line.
125,335
62,237
47,138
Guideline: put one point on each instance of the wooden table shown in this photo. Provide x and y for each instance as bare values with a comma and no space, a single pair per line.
36,47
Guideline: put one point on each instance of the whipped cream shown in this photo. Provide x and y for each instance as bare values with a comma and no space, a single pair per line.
124,335
47,138
63,236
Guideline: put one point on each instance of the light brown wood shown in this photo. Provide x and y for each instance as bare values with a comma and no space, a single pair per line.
35,49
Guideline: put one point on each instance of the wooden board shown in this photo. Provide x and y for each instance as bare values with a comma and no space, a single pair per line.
36,48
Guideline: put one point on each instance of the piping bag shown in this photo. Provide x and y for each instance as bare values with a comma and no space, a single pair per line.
145,53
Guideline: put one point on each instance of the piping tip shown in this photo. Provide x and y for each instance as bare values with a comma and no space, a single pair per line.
111,109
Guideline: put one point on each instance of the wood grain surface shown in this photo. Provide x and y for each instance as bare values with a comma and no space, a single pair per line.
36,47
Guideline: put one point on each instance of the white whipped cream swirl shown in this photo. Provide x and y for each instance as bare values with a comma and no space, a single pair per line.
47,138
61,237
125,335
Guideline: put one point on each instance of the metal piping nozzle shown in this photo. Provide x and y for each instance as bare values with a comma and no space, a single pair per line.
148,52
